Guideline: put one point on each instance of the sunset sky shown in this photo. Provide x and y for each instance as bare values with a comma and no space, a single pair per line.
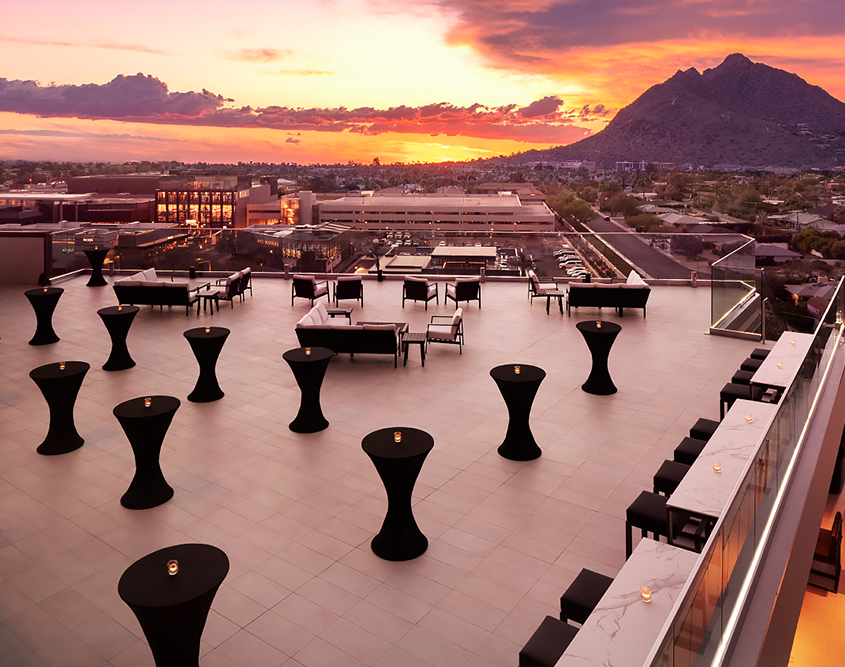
340,80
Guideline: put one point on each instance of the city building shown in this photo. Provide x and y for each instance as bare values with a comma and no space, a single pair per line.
502,212
212,201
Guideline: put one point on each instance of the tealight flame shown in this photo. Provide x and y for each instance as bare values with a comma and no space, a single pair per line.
307,351
62,365
208,330
749,418
148,402
793,342
397,436
598,325
516,370
780,364
645,592
172,567
717,466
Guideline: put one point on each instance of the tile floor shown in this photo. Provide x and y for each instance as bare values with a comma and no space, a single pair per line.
295,513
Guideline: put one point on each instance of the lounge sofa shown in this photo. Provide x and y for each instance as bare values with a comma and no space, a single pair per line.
318,329
146,288
631,294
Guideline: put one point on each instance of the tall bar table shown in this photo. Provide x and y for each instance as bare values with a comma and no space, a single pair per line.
309,366
118,319
44,300
519,384
599,337
60,383
398,463
206,342
173,608
97,256
145,427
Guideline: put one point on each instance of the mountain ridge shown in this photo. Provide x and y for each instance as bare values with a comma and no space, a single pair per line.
739,113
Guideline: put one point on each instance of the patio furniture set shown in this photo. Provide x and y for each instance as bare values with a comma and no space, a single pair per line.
633,293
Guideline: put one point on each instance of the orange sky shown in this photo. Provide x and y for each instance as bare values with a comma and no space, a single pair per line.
340,80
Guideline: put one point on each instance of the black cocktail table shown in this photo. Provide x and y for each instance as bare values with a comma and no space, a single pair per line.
44,300
206,342
172,609
309,366
118,319
60,383
599,337
97,256
398,464
518,390
146,427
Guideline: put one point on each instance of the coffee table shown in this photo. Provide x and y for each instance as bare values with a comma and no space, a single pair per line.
309,366
44,300
519,384
145,427
118,319
60,383
398,464
172,609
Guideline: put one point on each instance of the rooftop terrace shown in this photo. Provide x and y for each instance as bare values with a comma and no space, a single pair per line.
296,513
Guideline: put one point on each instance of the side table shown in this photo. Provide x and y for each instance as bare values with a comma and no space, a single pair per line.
206,342
118,319
413,339
599,337
519,384
44,300
97,256
309,366
60,383
398,463
145,427
173,609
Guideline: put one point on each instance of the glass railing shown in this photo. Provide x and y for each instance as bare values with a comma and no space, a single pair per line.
736,304
661,258
700,623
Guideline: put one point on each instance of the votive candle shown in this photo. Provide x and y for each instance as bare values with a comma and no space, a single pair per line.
148,402
172,567
397,436
645,592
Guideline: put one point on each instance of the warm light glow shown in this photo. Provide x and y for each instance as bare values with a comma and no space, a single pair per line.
397,436
717,466
749,418
172,567
780,364
598,325
516,370
307,351
645,592
120,307
793,342
208,330
61,365
148,402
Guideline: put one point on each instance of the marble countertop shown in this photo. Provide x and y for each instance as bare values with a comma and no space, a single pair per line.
622,629
784,352
706,492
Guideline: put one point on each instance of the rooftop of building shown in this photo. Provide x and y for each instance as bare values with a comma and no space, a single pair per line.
296,513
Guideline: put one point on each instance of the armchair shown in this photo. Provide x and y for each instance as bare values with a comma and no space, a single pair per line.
464,289
232,289
828,551
349,287
547,290
419,289
307,287
446,329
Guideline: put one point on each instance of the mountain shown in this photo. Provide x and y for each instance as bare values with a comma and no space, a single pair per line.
737,114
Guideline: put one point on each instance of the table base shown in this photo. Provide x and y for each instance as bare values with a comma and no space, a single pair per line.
147,491
61,443
599,384
309,420
406,546
520,448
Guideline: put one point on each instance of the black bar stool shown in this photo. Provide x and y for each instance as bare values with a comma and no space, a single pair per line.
760,353
730,392
751,364
547,644
689,449
667,478
703,429
582,596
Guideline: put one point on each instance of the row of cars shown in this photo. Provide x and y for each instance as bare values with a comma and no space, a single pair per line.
571,262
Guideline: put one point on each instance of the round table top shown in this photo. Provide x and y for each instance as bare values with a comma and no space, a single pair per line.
42,291
382,444
134,408
53,372
147,583
592,326
117,310
201,333
527,373
298,355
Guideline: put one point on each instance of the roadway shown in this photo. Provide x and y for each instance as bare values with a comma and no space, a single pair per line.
636,250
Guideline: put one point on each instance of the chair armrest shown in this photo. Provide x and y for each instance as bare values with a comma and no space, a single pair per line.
440,317
323,282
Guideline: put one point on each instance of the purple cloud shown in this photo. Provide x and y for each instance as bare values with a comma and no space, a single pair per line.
257,55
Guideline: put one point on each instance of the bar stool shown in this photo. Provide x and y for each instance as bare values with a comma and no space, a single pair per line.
760,353
742,377
689,449
547,644
730,392
751,364
667,478
703,429
582,596
649,513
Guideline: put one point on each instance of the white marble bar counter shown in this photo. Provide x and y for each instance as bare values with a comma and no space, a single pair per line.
705,492
623,628
790,356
